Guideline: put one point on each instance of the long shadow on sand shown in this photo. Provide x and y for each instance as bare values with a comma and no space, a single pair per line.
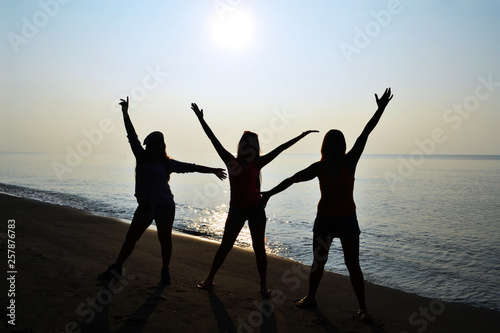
376,328
97,313
137,320
266,308
329,327
224,322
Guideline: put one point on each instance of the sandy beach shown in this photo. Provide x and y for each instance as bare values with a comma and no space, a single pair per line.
59,251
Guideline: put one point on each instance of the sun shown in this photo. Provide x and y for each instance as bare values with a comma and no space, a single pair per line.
235,31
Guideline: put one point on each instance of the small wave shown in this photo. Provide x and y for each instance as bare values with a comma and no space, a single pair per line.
57,198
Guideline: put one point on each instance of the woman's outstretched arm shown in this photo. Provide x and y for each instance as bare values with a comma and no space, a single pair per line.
183,167
359,146
221,173
223,153
265,159
301,176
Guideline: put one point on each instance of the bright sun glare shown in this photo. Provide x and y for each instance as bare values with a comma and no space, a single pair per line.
235,31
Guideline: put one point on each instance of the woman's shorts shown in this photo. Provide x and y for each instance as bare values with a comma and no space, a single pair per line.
341,227
146,213
144,216
247,213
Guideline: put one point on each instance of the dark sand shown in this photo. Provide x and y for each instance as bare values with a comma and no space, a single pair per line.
59,252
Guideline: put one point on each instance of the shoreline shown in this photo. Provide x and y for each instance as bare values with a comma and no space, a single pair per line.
60,250
209,238
427,263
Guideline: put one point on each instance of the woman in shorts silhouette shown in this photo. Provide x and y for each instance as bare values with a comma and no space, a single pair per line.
245,203
336,214
152,174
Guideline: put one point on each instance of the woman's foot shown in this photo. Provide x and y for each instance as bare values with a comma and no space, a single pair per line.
113,271
306,302
266,293
206,284
165,276
364,315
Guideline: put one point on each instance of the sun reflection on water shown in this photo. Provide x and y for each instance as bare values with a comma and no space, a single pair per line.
210,223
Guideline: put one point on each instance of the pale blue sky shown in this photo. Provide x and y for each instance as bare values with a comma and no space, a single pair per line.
291,75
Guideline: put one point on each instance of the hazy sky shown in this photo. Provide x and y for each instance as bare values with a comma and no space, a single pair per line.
274,67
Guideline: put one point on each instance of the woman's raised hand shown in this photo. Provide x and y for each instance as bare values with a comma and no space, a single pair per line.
384,100
124,104
197,111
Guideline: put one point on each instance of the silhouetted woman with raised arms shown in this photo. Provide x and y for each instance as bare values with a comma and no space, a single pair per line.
152,173
245,203
336,215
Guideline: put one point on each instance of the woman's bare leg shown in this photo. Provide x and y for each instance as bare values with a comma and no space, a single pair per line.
321,247
141,221
351,258
258,231
231,231
164,221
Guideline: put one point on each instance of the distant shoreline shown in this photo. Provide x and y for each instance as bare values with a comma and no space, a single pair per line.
366,155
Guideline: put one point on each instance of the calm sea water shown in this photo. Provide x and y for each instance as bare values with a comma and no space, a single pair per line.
429,226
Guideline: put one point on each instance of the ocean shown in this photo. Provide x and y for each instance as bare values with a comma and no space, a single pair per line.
430,225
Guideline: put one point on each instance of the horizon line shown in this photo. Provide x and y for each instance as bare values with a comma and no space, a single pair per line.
284,153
